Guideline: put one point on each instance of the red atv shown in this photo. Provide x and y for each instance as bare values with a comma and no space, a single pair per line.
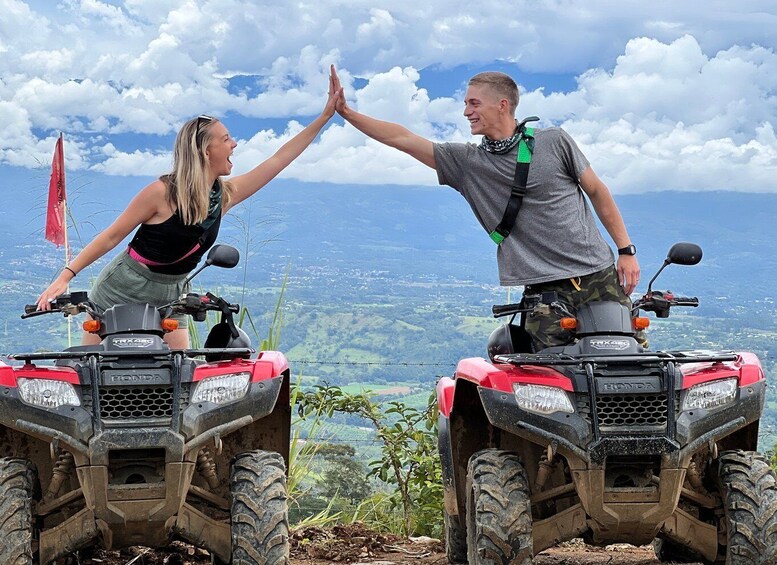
131,443
604,440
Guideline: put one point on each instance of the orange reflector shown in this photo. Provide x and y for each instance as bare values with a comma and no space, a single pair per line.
91,326
568,323
169,325
641,323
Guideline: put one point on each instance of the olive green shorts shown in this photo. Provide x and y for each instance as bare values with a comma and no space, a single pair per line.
125,281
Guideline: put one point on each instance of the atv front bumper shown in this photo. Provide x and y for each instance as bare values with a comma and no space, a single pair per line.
685,433
90,437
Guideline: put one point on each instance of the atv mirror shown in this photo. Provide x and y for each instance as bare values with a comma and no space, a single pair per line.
684,254
220,255
224,256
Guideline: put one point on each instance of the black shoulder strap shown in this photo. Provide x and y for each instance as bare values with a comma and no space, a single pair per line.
518,189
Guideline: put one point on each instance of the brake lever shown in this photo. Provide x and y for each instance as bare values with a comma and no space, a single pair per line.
37,313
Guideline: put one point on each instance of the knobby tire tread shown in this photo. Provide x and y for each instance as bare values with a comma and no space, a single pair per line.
17,483
455,540
749,490
499,523
260,523
669,551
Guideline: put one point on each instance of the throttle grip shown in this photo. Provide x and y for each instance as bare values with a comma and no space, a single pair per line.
499,310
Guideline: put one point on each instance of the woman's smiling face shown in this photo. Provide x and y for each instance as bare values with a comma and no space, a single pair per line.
219,150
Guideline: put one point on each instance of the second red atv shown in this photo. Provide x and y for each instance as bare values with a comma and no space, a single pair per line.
604,440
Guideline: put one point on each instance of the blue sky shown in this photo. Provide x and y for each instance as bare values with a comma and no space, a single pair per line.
660,95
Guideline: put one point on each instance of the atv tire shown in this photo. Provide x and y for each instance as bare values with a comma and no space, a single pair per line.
455,540
748,487
669,551
499,529
260,517
17,489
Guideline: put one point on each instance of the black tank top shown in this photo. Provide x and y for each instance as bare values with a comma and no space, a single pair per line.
172,247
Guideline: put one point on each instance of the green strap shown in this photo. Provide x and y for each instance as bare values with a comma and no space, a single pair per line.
523,160
524,151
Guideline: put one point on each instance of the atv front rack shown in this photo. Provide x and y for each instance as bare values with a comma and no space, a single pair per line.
28,358
653,357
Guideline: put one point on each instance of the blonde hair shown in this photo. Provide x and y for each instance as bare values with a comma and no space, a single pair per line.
501,84
187,185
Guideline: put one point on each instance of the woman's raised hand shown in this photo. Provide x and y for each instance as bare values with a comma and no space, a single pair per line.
334,80
333,95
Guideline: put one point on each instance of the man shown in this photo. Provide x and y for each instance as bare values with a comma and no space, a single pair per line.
555,244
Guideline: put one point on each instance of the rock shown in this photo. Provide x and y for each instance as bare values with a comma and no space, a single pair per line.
424,540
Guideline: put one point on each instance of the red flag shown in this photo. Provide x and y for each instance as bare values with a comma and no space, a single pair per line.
55,216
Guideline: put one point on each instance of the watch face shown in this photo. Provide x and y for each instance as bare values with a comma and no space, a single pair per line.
628,250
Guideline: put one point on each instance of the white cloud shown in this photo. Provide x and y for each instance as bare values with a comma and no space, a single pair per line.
666,117
669,117
702,78
135,163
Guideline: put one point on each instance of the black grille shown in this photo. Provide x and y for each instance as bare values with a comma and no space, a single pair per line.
150,404
143,402
631,410
628,412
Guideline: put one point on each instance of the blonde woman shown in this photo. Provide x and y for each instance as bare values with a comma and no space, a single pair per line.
177,218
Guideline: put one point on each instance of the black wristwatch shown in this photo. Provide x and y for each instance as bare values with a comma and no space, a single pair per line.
628,250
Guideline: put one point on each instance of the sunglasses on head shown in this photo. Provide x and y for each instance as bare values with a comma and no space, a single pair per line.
202,118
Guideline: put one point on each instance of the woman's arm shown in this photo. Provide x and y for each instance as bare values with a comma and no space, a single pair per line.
147,204
249,183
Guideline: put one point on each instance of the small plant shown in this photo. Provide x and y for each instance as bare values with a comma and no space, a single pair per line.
408,440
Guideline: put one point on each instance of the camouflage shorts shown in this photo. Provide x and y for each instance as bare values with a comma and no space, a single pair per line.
542,323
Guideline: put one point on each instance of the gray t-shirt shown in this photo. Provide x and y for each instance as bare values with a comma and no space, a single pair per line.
555,234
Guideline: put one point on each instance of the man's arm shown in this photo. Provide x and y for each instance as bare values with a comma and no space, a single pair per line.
388,133
610,216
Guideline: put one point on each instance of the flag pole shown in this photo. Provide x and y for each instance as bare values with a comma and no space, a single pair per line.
64,202
64,231
56,212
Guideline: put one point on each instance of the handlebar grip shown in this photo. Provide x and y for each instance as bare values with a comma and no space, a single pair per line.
36,313
30,308
499,310
685,301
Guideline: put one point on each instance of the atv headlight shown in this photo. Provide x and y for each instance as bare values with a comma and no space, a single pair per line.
711,394
47,393
222,389
542,399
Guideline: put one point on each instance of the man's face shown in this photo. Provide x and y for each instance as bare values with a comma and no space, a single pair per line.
482,109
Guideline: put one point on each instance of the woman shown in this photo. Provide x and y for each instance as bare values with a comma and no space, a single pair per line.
179,216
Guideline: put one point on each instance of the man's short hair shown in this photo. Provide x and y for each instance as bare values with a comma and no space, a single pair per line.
502,85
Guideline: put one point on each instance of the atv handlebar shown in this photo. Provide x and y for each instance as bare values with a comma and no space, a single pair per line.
529,302
197,305
78,302
499,310
656,301
67,304
660,302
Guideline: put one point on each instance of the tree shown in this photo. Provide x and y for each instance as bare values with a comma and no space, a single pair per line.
408,439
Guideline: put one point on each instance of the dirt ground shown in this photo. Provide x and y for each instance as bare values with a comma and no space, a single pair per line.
355,544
